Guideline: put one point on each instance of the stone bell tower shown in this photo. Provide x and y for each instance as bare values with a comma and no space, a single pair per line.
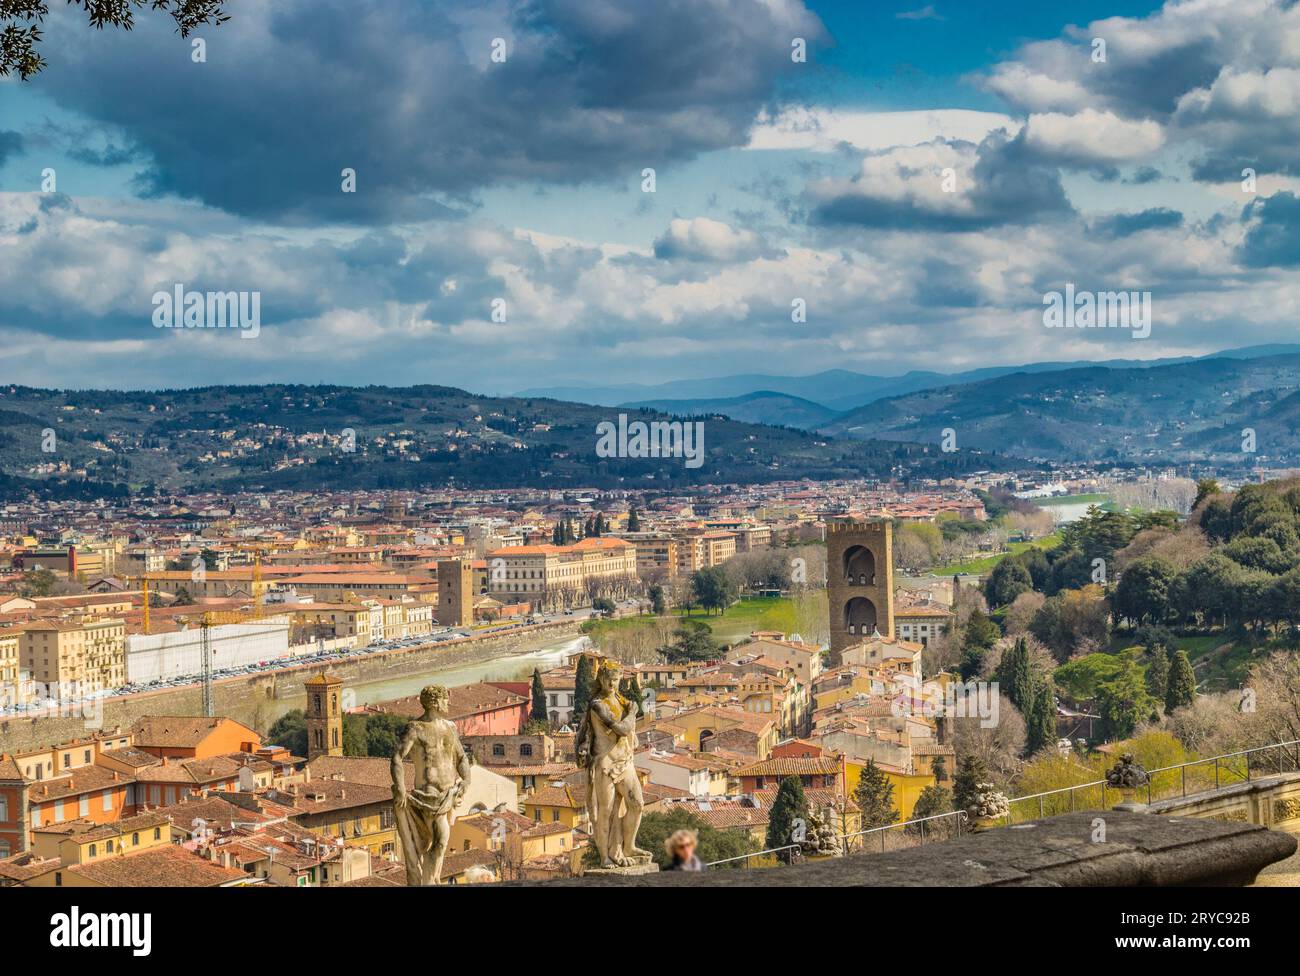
324,716
859,580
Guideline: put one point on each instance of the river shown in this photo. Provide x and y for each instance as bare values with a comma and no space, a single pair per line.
1067,512
550,653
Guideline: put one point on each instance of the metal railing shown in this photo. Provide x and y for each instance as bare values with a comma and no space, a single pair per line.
1165,782
1236,767
910,833
796,852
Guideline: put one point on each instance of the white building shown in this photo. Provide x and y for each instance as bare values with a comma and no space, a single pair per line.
179,653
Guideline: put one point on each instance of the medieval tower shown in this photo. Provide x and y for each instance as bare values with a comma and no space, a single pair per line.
324,716
859,580
455,593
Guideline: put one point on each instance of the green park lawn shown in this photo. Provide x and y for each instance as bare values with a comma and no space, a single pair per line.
1092,498
739,620
985,564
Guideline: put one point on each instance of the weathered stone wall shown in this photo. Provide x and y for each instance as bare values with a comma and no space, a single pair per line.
1270,801
246,698
1139,850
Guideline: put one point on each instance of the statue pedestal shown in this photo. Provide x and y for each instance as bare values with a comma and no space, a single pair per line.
648,867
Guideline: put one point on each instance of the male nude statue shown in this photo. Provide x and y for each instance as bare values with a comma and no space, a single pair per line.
605,743
424,814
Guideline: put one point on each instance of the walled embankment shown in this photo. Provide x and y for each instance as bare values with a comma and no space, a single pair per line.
246,698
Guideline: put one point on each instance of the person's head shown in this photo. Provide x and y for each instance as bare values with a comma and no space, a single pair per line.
434,698
681,845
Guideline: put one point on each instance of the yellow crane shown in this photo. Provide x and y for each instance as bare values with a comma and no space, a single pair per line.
212,618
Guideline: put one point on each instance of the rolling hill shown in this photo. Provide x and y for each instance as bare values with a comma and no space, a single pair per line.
842,389
294,437
763,407
1190,411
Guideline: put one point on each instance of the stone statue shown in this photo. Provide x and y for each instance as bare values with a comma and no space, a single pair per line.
424,813
605,743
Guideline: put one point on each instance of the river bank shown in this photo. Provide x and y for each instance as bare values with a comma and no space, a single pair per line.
257,700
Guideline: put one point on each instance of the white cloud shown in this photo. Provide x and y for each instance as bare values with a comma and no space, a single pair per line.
703,239
1092,136
825,130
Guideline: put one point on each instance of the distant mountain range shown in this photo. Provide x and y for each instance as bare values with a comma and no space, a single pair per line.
77,444
1203,410
763,407
87,443
837,390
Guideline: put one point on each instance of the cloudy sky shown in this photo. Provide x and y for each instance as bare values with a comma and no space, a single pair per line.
520,182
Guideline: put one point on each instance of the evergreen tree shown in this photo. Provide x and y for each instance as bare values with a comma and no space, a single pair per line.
633,521
970,773
940,769
290,731
1204,488
714,844
1040,720
538,713
933,801
874,796
630,688
1122,702
582,689
1008,580
658,605
1016,677
790,805
1157,677
980,635
1182,683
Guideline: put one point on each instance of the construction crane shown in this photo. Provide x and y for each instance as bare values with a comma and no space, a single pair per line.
210,619
213,618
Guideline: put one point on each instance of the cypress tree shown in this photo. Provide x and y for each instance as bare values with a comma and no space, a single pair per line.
634,694
790,805
970,773
933,801
538,713
582,688
1157,677
874,796
633,520
1182,683
1040,720
939,768
1016,677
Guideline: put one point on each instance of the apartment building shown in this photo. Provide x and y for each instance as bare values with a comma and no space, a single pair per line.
922,622
562,576
74,658
140,560
656,554
701,549
9,665
13,807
